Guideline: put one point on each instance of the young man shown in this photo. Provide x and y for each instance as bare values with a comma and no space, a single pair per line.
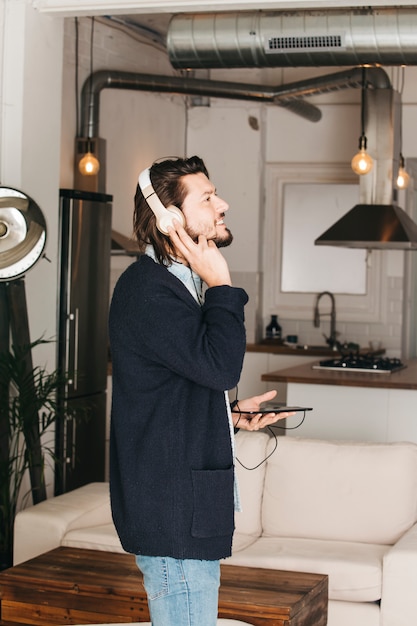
175,353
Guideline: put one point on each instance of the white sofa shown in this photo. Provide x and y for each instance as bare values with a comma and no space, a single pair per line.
345,509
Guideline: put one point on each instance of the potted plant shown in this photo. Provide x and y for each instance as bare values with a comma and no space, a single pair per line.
28,408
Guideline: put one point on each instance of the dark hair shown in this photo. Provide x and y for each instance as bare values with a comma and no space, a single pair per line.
166,178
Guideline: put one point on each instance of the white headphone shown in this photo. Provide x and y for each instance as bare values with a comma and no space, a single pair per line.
164,215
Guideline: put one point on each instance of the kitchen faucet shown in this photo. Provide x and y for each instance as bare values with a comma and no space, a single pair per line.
331,341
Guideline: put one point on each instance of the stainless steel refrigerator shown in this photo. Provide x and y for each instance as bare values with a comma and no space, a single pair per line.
85,245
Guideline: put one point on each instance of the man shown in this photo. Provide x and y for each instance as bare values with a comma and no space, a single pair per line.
175,353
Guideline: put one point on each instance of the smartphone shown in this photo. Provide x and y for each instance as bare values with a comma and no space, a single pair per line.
277,408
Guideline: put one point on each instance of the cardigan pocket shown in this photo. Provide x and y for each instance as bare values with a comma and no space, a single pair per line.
213,514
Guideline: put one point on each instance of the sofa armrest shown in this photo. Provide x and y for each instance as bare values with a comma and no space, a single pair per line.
41,527
399,582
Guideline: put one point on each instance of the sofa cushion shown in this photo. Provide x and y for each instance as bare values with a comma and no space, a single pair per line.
41,527
100,537
354,569
242,541
250,452
353,613
346,491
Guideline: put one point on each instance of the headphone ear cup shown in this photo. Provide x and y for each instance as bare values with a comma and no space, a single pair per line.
166,218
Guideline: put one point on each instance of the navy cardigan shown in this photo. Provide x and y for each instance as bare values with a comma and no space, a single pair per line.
171,466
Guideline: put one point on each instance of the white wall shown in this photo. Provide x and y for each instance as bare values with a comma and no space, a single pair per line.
30,126
229,136
30,138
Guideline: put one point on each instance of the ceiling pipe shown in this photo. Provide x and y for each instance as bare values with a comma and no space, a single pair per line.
113,79
288,96
89,140
339,37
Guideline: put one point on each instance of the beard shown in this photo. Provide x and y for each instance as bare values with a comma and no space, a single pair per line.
221,241
226,240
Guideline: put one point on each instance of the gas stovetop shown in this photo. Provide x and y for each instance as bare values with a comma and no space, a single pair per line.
361,363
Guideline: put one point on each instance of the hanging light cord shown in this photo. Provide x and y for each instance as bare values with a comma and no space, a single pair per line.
77,87
401,89
363,136
403,178
90,79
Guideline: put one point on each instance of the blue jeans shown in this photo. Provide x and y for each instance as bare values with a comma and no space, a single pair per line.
181,592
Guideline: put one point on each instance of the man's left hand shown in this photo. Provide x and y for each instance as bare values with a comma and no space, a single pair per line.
256,421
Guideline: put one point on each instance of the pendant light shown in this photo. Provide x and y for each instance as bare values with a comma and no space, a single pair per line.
403,178
89,165
362,162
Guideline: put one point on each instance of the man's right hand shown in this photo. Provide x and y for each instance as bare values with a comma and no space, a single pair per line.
204,257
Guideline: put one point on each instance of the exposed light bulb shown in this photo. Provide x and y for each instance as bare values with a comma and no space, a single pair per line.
89,165
362,162
403,178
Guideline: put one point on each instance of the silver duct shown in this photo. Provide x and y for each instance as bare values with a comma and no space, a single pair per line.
339,37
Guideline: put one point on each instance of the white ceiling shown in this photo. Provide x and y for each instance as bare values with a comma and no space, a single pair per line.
156,14
135,7
153,16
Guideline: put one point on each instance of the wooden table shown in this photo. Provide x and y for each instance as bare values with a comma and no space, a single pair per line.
76,586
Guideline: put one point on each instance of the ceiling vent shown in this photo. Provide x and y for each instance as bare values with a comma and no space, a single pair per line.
309,43
385,36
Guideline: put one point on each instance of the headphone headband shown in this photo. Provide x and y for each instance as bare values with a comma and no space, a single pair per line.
145,182
164,215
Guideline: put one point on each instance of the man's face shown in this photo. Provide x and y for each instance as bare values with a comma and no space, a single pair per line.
204,211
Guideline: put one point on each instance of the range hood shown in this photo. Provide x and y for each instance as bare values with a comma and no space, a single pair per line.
381,226
376,221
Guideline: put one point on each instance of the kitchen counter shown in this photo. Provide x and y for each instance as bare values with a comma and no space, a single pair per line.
279,349
272,347
402,379
355,406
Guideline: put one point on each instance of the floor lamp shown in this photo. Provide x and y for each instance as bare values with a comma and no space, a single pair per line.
22,241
